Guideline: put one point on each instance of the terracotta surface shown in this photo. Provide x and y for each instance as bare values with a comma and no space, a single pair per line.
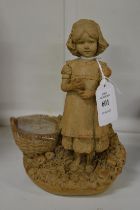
72,154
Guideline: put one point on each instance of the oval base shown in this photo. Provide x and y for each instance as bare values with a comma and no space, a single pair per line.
57,173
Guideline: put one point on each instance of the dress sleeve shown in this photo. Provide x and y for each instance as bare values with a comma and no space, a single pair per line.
66,71
106,70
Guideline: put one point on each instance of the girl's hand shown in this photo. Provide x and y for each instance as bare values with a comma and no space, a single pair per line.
86,94
77,84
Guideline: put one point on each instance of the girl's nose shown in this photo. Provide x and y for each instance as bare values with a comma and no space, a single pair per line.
86,46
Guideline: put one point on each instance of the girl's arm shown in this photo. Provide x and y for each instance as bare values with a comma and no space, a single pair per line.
89,92
68,85
106,70
65,85
86,94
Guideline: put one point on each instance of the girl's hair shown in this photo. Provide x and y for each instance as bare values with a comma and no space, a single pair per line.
93,30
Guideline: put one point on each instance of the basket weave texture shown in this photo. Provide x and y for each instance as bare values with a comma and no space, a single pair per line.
36,134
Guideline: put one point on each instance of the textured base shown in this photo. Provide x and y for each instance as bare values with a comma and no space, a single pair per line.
56,172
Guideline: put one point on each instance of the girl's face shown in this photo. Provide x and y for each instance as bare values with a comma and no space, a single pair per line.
86,46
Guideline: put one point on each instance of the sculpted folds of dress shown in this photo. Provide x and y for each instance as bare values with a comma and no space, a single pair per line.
80,118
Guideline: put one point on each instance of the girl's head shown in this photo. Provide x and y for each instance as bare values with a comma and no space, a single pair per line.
86,39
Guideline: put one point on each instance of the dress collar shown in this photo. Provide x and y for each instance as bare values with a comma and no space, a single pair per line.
88,59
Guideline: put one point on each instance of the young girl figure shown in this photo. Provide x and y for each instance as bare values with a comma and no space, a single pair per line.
80,78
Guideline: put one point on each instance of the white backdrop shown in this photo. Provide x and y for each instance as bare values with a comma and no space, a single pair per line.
32,37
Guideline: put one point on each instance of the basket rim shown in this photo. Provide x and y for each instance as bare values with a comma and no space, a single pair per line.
53,119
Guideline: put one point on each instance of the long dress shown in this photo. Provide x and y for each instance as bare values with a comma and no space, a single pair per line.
80,117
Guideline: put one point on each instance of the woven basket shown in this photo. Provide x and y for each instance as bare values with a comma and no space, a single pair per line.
36,134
